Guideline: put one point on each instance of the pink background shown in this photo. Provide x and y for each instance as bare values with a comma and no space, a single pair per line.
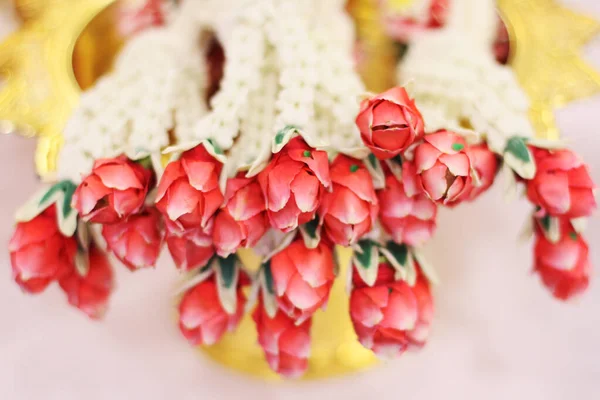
498,334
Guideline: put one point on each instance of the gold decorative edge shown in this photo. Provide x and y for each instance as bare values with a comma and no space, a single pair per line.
39,90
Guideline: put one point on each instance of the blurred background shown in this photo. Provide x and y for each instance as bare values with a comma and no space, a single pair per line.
497,335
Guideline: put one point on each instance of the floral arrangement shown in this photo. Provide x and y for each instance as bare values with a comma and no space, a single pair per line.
287,163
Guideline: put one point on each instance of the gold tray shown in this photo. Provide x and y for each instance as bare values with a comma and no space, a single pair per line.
63,46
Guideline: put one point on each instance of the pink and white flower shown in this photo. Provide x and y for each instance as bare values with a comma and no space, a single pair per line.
39,253
407,215
243,220
404,28
444,167
389,123
138,240
391,317
563,266
202,318
293,184
302,278
349,211
188,193
90,292
486,166
286,345
115,189
190,249
562,185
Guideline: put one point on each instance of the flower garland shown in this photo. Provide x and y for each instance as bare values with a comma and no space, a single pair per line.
263,170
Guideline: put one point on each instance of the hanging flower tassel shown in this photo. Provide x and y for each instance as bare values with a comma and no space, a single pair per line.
391,317
138,240
114,190
286,344
563,264
203,320
302,278
40,254
89,289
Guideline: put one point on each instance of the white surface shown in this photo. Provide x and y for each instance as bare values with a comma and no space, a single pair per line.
497,334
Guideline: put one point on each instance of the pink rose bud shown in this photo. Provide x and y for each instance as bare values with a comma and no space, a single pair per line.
562,185
202,318
115,189
286,345
486,165
444,167
391,317
190,249
136,241
302,278
133,18
564,266
293,184
408,219
188,193
349,211
39,253
90,293
243,221
389,123
404,28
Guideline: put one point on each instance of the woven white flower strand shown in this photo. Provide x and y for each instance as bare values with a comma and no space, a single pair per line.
157,87
465,83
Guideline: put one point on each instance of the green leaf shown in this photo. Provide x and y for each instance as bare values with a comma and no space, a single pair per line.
145,162
398,251
269,277
458,146
282,133
354,168
364,257
227,268
311,227
573,235
517,147
373,161
545,223
398,160
215,146
67,188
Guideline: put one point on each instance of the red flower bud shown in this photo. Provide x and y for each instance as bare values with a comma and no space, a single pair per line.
391,316
349,211
136,241
302,278
444,167
115,189
562,185
293,184
188,192
202,318
90,293
286,345
389,123
563,266
243,220
190,249
39,253
409,218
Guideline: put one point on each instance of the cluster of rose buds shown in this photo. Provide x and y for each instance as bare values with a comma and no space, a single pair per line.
136,18
563,193
301,204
